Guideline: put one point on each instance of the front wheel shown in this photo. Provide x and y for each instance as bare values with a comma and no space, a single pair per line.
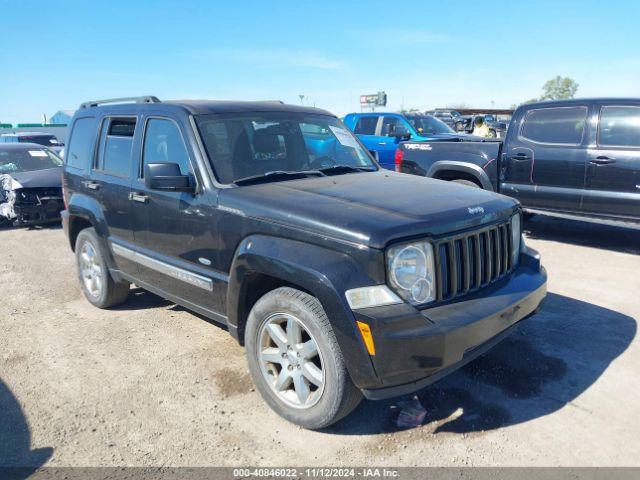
295,360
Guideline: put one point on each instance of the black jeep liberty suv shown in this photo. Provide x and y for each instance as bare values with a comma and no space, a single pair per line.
341,279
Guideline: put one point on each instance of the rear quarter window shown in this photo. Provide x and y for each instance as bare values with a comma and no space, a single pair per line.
80,150
557,125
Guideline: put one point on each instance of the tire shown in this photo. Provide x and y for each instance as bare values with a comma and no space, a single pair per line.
91,257
468,183
459,126
326,404
493,134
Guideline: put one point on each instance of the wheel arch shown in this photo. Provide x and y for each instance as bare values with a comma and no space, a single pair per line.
264,263
451,170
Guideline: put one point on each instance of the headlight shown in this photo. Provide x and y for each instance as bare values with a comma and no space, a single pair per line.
516,235
411,271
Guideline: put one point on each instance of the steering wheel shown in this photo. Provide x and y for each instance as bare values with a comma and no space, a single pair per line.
323,162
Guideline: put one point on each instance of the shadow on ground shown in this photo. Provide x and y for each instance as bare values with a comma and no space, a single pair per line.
553,358
587,234
15,437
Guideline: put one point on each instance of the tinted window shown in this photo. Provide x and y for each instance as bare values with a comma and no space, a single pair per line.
163,144
80,148
555,125
115,141
619,127
389,125
241,146
366,126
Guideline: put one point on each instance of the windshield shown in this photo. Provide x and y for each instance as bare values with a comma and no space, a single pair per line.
18,160
428,125
248,145
46,140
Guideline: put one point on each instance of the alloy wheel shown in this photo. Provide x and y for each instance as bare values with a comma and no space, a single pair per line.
290,360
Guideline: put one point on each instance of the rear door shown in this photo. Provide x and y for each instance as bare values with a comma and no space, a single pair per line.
365,128
613,171
545,159
110,183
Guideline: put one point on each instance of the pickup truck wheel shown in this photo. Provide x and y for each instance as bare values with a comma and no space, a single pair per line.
295,361
468,183
97,284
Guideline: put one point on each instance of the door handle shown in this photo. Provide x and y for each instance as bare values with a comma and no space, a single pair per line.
382,143
521,156
91,185
138,197
602,160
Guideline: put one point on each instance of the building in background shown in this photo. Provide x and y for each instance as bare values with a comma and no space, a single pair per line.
61,117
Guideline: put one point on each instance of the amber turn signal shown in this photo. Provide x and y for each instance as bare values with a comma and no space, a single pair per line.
365,331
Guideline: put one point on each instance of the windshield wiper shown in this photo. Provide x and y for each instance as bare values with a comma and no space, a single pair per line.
277,175
345,169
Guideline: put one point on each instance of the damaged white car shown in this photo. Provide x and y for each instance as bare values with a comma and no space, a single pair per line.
30,185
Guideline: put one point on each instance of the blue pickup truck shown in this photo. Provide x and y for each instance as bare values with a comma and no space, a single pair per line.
381,133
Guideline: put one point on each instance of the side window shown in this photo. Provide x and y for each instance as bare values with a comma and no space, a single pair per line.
80,150
366,126
116,140
389,125
163,144
619,126
558,125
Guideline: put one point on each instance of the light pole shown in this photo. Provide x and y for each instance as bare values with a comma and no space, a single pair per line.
301,98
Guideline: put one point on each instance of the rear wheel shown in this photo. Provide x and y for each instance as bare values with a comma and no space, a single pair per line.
468,183
97,284
295,361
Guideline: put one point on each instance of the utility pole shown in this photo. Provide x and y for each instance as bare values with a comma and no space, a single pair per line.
301,99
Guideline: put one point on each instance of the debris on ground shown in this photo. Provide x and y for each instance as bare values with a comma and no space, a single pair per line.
411,414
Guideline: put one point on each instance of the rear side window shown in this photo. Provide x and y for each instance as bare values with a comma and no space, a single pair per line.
619,126
163,144
560,125
80,149
366,126
116,140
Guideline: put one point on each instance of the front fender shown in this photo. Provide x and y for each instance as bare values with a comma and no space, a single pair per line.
322,272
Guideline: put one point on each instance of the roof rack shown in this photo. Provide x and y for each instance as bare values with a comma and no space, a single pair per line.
142,99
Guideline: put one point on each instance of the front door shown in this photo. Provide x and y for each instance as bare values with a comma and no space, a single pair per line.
175,231
546,159
613,172
387,141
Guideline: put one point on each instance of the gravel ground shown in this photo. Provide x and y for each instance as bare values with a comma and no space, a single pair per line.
151,384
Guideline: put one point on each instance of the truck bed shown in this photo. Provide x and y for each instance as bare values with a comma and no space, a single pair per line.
476,156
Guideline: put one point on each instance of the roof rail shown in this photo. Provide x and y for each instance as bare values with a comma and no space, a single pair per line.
142,99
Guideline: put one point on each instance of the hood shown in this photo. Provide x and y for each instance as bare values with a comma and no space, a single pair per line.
50,177
372,208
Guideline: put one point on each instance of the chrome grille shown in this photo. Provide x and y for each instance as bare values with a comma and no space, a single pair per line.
472,260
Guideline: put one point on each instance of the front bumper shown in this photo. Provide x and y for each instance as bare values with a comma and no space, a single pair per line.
414,348
46,211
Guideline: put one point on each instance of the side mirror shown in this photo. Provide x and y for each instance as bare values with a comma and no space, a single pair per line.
401,135
167,177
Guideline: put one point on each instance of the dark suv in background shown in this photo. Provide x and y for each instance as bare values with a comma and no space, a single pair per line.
267,218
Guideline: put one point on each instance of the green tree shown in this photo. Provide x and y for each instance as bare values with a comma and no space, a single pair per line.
558,88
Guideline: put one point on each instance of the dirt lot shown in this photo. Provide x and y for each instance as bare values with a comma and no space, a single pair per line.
152,384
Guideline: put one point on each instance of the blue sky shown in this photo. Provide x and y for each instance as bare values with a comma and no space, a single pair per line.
56,54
